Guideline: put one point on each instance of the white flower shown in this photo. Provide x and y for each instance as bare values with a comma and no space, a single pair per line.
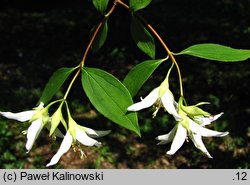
65,146
165,99
195,131
196,138
177,135
33,132
207,120
160,97
21,116
81,135
35,127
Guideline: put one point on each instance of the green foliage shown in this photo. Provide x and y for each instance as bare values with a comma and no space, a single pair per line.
100,37
110,97
9,152
139,75
54,83
216,52
142,37
138,4
105,155
101,5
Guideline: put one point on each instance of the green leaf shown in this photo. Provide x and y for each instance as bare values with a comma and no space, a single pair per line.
100,37
110,97
142,37
139,75
54,83
101,5
216,52
138,4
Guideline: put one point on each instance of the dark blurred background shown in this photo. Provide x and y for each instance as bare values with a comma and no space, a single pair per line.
39,36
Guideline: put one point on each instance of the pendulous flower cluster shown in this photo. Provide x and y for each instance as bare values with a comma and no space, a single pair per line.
190,120
75,134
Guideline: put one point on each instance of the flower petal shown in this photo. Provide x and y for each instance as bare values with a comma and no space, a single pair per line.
167,138
197,140
65,146
96,133
207,120
146,102
169,104
83,138
196,128
33,132
41,105
215,117
21,116
179,139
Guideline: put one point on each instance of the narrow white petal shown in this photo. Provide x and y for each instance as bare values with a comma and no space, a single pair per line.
83,138
167,138
196,128
207,120
41,105
96,133
215,117
170,106
33,132
148,101
65,146
197,140
179,139
21,116
204,120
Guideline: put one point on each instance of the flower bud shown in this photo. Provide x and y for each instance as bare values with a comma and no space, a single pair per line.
56,118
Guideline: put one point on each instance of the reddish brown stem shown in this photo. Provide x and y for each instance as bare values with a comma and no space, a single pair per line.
160,40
